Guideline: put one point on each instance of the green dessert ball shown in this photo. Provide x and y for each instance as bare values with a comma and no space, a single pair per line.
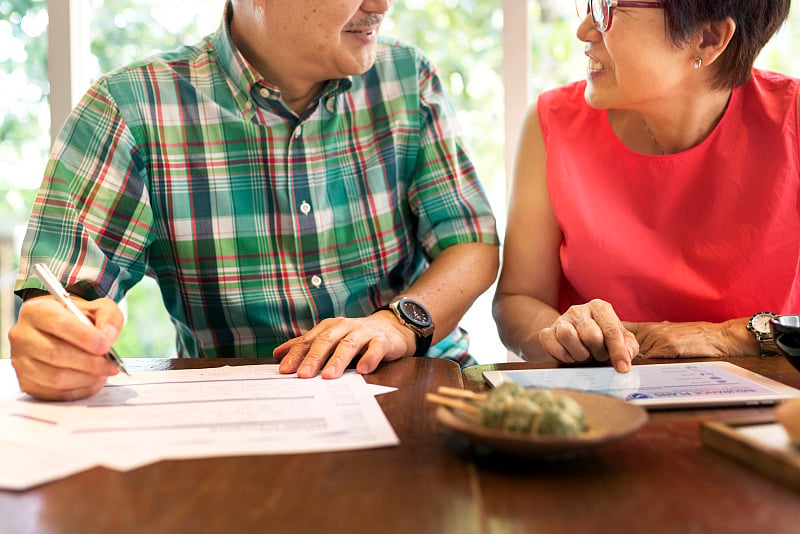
532,411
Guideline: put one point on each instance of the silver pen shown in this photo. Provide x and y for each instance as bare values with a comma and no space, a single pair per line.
55,288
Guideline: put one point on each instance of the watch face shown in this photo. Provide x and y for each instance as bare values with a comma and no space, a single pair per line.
415,313
760,322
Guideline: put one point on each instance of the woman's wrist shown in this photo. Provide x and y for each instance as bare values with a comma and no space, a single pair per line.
737,339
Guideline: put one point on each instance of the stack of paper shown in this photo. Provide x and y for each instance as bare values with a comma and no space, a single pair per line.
150,416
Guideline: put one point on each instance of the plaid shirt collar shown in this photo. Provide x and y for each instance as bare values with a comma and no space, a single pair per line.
244,80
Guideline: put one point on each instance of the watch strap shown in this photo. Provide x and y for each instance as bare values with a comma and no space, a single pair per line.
423,344
768,347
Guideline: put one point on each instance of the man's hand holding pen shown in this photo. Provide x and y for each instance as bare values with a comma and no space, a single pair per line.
57,356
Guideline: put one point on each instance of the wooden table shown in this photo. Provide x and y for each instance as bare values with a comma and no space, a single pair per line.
658,480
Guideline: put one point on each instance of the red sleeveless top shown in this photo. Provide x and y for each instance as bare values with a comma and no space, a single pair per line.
711,233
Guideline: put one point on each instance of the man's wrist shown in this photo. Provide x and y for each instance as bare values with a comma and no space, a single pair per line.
414,316
409,336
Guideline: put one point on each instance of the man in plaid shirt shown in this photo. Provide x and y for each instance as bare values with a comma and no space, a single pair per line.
283,181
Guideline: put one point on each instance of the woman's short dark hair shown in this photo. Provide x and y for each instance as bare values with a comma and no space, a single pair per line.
756,22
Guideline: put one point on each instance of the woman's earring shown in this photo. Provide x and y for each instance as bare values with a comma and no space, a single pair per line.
697,63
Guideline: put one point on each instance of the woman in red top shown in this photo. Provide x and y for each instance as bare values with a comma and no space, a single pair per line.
656,205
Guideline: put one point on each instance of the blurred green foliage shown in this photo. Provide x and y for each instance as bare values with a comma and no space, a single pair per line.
26,57
24,137
464,41
125,30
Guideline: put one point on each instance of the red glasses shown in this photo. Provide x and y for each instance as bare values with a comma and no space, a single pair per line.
603,10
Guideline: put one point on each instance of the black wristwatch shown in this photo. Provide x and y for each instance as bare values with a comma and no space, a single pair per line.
416,317
759,327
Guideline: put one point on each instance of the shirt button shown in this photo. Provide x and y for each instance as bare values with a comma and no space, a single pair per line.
305,207
248,105
316,281
330,105
298,131
264,92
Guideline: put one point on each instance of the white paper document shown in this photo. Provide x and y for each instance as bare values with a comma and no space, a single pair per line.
9,387
150,416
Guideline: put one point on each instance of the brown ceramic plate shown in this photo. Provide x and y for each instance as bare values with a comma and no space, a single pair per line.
607,419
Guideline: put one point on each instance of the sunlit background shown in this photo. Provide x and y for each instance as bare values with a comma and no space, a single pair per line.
462,37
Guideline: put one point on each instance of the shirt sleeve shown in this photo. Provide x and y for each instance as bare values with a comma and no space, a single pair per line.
91,221
446,194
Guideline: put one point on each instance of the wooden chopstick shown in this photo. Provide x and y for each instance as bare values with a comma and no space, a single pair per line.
462,405
461,393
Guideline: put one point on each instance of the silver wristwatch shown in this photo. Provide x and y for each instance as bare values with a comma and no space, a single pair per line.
759,327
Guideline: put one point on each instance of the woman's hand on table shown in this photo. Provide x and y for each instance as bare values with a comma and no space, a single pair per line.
694,339
590,331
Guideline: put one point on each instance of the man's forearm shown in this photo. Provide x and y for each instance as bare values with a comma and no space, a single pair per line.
455,278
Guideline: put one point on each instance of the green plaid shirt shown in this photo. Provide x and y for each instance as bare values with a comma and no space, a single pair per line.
256,223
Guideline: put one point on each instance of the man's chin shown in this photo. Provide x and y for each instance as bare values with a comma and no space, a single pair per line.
356,69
